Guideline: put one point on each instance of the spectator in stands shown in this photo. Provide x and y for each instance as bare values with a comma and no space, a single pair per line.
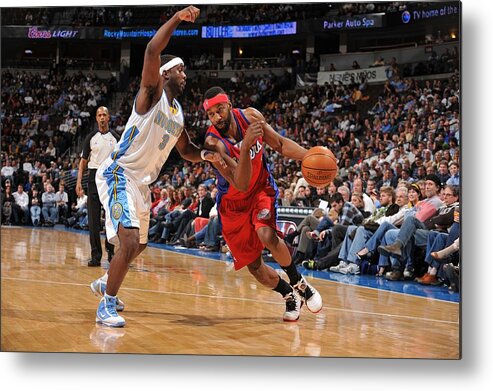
345,193
49,208
288,199
379,62
79,216
439,247
61,198
7,202
160,203
21,206
401,249
454,179
388,179
358,188
346,251
8,172
35,206
183,223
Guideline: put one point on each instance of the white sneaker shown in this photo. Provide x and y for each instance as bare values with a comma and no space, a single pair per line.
293,306
98,287
352,268
106,313
338,268
309,295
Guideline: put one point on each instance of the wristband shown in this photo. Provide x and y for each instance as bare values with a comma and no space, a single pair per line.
202,153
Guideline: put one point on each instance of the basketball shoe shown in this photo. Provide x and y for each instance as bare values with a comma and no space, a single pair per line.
293,306
309,295
98,287
106,313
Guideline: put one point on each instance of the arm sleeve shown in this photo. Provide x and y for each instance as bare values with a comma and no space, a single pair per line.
86,147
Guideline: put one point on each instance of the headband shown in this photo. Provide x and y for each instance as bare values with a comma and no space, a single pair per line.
170,64
219,98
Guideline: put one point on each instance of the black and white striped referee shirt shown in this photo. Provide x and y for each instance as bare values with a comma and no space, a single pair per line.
97,147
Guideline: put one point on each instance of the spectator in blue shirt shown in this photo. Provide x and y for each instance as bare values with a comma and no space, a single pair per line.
454,179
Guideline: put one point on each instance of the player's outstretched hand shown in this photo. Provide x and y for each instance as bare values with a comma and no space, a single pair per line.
254,131
189,14
215,157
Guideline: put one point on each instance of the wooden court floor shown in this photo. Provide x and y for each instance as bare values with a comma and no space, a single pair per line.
181,304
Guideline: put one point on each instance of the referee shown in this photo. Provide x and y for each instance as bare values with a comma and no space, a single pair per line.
97,147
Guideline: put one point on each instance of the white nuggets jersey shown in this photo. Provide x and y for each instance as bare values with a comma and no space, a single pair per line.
123,179
147,142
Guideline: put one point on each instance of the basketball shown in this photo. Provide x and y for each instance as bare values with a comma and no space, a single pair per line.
319,166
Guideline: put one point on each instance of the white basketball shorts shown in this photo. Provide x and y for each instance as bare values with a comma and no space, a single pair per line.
125,202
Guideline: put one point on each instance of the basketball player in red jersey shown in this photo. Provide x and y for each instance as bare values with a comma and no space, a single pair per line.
247,197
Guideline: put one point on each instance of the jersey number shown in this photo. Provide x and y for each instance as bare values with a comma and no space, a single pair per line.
164,141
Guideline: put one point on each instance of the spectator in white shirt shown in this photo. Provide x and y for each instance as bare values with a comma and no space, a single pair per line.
79,217
21,206
8,171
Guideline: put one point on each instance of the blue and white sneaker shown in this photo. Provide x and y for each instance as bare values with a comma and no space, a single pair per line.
98,287
106,313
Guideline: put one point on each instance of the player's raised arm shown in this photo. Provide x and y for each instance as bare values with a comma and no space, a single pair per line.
283,145
152,80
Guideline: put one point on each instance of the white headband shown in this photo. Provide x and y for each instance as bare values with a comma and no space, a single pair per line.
170,64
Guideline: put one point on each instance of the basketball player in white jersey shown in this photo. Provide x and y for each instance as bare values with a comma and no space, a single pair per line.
155,126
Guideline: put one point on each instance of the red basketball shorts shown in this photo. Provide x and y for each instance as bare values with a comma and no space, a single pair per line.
240,221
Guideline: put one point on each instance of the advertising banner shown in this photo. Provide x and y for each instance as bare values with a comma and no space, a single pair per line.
371,75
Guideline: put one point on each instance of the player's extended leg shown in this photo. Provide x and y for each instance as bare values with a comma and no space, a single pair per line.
280,253
268,277
128,250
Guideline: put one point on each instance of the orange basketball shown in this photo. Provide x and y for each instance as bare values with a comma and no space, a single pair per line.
319,166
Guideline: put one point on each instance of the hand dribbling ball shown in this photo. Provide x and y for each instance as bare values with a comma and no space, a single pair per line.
319,166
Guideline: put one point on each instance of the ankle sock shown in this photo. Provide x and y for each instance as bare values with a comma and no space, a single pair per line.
292,272
283,287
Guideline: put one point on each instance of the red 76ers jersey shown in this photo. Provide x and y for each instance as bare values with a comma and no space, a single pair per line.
260,173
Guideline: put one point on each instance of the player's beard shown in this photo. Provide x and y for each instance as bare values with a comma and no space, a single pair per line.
224,129
175,87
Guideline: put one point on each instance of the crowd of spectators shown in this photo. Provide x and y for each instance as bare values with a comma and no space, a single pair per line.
153,15
103,16
435,64
264,13
27,16
42,115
